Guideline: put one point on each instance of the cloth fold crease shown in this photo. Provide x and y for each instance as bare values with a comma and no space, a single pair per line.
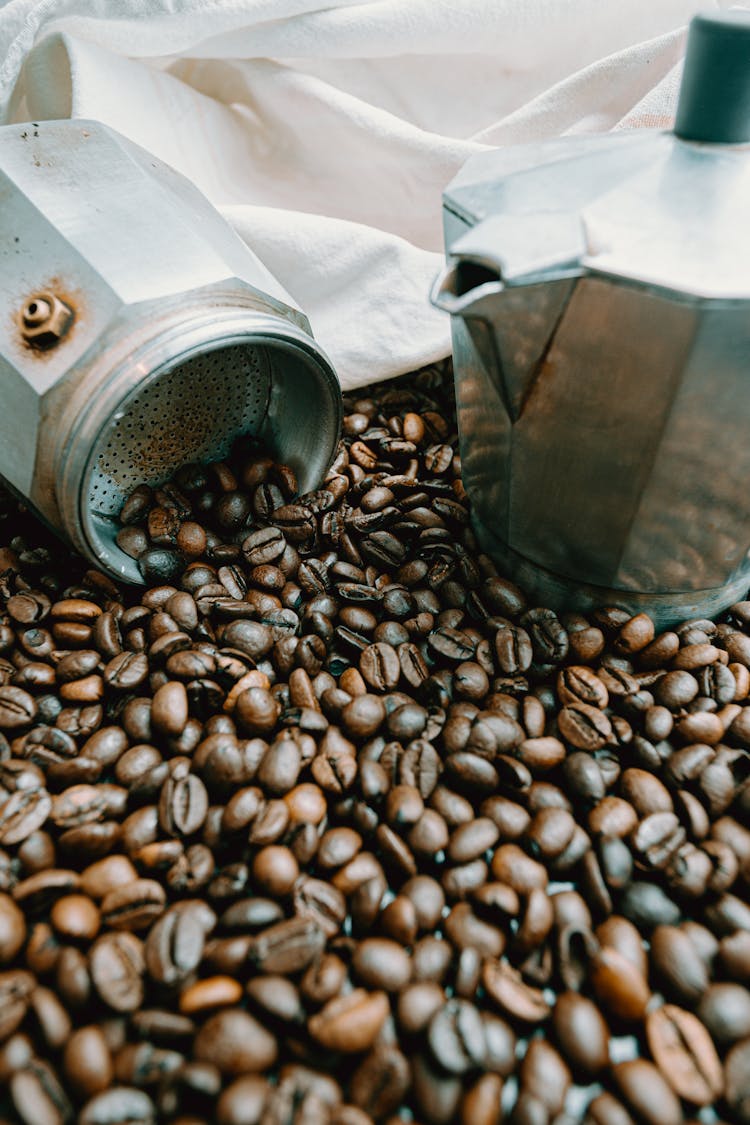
326,134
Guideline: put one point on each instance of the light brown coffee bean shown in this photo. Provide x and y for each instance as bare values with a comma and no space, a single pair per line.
350,1023
647,1093
618,984
236,1043
684,1052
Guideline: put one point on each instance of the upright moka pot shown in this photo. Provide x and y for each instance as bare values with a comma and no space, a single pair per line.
138,333
600,297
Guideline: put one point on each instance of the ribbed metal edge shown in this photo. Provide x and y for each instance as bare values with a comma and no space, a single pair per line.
543,587
196,331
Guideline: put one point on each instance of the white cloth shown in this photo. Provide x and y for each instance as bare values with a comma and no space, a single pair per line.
327,134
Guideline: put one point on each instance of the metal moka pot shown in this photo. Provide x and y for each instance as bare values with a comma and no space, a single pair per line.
139,333
600,297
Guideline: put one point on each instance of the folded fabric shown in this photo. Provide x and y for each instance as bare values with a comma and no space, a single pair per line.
327,135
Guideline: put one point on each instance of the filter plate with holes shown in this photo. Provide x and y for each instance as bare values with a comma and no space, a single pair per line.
192,412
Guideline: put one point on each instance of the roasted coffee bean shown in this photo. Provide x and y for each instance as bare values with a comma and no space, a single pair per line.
76,917
380,667
350,1023
236,1043
737,1074
456,1037
379,1083
584,727
23,813
682,971
126,671
684,1052
312,794
87,1061
37,1094
116,966
579,684
12,929
286,947
648,905
133,906
380,963
724,1009
582,1033
647,1092
549,639
174,946
17,708
514,997
544,1075
183,804
16,987
513,649
618,984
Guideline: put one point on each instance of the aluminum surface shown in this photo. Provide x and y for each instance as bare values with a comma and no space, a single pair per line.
599,289
179,338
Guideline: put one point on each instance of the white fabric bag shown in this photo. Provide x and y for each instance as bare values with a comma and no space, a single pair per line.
326,135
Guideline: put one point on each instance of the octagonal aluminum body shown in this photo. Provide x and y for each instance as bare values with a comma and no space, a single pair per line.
600,299
163,294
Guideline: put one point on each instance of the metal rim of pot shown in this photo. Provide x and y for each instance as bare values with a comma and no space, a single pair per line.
304,383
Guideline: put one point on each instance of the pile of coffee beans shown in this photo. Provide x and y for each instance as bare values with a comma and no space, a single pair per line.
329,826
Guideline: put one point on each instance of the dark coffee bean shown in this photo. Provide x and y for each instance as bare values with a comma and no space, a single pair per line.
515,998
126,671
582,1033
451,644
136,505
120,1103
656,838
287,946
541,754
513,649
724,1009
175,944
647,1093
17,708
12,929
584,727
23,813
116,965
647,905
159,564
456,1037
471,840
549,639
544,1075
16,987
75,917
380,1082
380,963
737,1074
133,906
275,870
380,667
735,955
183,805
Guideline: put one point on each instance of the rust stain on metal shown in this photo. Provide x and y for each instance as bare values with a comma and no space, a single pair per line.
64,298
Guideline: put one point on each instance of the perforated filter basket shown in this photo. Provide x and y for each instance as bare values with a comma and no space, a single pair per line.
143,335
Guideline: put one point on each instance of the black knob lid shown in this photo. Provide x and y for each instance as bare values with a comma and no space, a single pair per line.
714,103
